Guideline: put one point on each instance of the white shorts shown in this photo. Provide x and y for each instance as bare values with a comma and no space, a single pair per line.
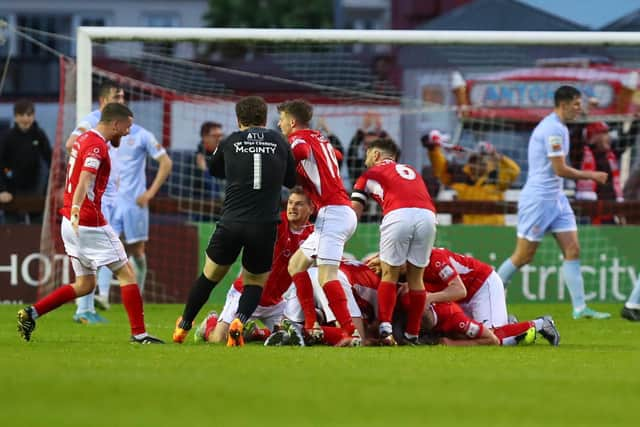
407,234
334,225
536,217
270,316
92,247
131,221
488,305
293,309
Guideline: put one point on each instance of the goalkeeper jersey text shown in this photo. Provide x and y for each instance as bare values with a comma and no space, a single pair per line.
256,163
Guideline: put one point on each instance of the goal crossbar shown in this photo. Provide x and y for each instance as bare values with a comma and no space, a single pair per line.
86,35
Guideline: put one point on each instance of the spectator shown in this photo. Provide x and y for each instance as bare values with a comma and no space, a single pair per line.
23,151
597,155
211,134
486,175
205,188
370,131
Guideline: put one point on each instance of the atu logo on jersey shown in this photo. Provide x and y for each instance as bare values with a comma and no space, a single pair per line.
255,135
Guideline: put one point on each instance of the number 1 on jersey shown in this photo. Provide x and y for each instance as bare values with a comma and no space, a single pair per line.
257,171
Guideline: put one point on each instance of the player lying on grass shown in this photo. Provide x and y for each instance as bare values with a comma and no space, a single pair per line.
446,323
475,286
293,230
88,239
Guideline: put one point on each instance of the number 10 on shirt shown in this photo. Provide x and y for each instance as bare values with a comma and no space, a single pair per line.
330,157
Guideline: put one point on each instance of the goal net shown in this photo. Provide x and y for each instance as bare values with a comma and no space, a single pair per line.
482,98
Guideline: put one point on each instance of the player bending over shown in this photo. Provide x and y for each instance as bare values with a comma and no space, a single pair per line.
407,231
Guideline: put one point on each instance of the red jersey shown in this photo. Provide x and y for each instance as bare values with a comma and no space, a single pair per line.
444,266
364,283
393,186
89,153
279,280
318,167
451,320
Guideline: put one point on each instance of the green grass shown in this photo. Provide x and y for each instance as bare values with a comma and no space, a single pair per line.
79,375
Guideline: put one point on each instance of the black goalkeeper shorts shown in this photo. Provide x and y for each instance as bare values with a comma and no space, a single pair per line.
256,240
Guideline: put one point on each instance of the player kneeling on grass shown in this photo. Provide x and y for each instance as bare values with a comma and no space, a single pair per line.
88,238
292,231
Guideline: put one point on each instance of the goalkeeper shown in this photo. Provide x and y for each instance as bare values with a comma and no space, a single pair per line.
486,175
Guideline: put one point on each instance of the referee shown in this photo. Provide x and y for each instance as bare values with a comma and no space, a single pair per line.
256,162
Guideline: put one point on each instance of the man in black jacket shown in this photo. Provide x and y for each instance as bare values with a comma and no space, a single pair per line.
23,151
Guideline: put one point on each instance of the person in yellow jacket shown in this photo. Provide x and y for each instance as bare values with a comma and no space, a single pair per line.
486,175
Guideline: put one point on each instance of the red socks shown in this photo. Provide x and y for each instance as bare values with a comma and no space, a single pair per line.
55,299
338,304
386,301
304,291
417,303
132,302
512,330
332,335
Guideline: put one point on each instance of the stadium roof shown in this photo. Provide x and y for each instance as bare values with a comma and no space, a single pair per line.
501,15
629,22
512,15
593,14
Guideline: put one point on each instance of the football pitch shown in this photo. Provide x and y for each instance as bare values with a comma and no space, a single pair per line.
89,375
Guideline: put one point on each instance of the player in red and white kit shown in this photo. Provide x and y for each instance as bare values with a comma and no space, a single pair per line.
292,231
447,318
477,288
407,231
88,239
318,170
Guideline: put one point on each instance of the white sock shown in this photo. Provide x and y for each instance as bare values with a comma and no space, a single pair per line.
506,271
509,341
104,281
573,279
634,299
538,322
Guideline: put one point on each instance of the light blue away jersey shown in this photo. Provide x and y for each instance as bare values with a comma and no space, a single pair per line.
132,160
90,121
549,139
